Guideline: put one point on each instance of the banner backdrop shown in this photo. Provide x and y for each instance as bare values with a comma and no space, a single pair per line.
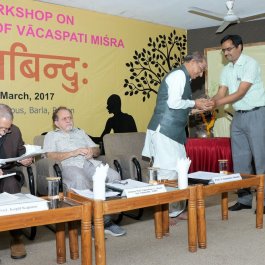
52,55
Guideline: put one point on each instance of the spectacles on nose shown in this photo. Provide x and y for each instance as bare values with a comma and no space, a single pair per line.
229,49
202,67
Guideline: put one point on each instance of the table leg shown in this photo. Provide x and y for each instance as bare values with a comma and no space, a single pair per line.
73,240
201,217
260,203
60,243
165,219
224,206
158,221
100,248
86,238
192,220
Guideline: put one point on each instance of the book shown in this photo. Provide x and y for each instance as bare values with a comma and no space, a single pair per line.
21,203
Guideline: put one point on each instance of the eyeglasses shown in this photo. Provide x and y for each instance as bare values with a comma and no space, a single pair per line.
202,67
229,49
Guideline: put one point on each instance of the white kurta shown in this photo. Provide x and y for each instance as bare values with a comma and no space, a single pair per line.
165,151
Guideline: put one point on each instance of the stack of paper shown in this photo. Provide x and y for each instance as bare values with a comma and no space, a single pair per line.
21,203
89,194
31,151
204,177
121,185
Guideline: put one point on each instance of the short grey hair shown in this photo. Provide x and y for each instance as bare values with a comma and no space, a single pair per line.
55,113
196,56
6,112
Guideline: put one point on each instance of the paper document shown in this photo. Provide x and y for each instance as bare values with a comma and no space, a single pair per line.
7,175
21,203
89,194
126,184
7,198
212,178
204,175
226,178
31,151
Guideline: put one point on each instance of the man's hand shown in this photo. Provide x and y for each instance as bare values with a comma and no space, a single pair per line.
90,153
210,104
26,162
204,104
1,172
87,152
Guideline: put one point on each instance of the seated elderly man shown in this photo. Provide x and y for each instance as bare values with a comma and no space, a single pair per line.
12,145
76,151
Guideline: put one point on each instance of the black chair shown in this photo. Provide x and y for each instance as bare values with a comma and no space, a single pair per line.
123,150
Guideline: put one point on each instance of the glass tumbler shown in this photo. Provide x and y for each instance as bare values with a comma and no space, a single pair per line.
53,191
223,166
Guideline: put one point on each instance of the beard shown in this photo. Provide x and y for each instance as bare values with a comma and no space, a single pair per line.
69,127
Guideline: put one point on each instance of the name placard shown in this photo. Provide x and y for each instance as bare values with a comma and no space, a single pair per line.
143,191
226,178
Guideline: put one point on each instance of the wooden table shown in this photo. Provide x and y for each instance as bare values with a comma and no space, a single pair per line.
159,201
69,210
204,191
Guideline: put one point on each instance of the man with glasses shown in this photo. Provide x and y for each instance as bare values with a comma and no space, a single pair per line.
76,151
12,145
166,135
241,85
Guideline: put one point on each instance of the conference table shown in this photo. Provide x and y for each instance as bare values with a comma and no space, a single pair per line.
68,211
205,153
204,191
158,201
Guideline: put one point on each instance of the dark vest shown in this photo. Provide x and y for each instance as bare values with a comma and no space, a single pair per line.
172,121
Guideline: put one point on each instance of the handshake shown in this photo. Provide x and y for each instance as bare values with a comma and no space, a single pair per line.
203,104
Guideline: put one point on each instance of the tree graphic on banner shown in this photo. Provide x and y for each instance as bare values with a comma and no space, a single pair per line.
149,66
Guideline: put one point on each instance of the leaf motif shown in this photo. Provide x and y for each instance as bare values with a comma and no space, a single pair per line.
161,54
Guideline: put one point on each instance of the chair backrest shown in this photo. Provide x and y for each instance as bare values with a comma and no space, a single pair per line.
124,147
38,140
44,168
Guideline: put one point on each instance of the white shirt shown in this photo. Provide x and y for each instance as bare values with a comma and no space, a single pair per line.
176,82
59,141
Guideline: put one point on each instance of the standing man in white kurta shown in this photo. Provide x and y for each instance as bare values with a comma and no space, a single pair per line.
166,136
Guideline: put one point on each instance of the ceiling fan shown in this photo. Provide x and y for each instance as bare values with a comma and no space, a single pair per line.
229,18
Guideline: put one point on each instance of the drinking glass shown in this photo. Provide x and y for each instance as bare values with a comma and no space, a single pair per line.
223,166
53,191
